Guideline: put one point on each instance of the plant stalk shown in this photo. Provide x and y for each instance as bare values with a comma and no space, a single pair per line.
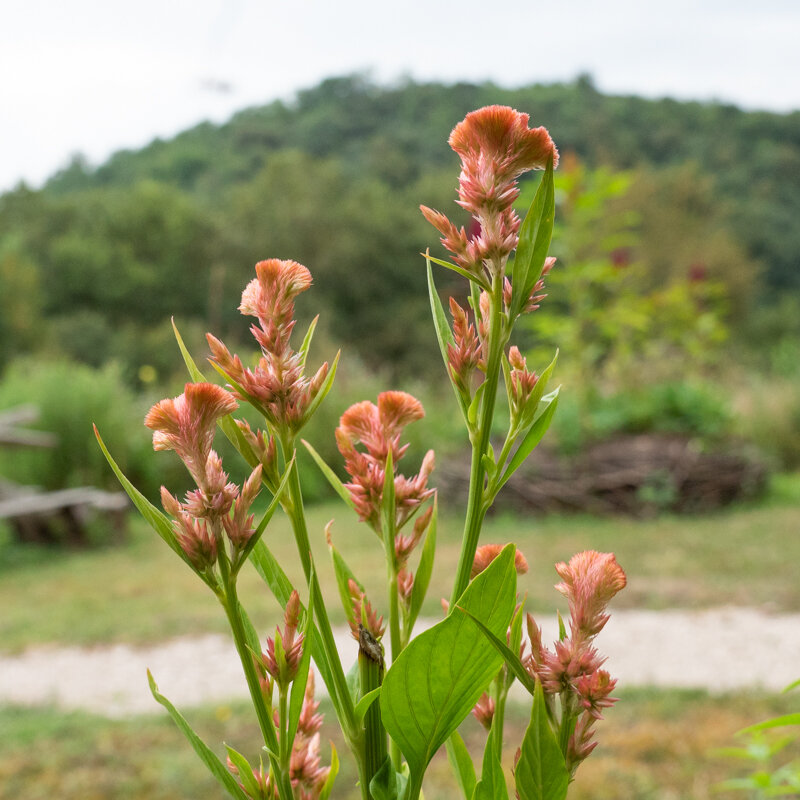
370,669
480,444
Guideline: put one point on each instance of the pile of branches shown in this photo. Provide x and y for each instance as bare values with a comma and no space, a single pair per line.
635,475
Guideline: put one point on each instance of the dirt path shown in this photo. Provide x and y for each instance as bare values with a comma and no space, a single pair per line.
718,649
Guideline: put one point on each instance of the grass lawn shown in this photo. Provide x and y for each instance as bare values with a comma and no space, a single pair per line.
141,592
653,746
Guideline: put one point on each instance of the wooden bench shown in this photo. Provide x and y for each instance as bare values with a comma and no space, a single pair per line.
61,517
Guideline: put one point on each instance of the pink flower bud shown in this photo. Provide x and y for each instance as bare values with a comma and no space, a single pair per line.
484,711
487,553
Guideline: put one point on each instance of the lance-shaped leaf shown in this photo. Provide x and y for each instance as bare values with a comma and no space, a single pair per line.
492,785
443,333
157,520
265,520
344,575
245,771
538,390
534,242
364,704
461,764
301,678
304,348
510,657
422,577
532,437
323,390
327,787
541,773
470,276
209,758
330,476
439,677
226,423
775,722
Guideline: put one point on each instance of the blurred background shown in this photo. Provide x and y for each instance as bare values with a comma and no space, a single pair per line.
152,154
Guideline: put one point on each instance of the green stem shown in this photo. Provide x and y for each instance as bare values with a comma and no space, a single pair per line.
414,786
296,513
370,669
480,443
500,695
283,721
230,602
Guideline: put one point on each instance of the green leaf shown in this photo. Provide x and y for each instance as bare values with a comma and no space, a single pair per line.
157,520
461,763
562,628
443,333
492,785
304,348
440,675
541,773
776,722
470,276
226,423
534,242
363,705
532,437
301,679
472,411
272,573
387,783
330,475
510,657
327,384
325,793
792,685
343,575
541,385
209,758
388,511
422,578
268,514
245,771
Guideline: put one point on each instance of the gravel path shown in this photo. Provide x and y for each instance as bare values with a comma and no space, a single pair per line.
718,649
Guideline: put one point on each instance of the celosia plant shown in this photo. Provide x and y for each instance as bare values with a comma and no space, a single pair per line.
406,699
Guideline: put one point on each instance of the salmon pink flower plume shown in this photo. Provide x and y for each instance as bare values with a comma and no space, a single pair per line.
379,429
496,146
187,423
277,384
589,582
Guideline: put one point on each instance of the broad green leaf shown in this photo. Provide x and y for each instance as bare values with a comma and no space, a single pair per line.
209,758
541,385
439,677
534,242
492,785
422,578
245,771
510,657
541,773
304,348
157,520
363,705
443,333
323,390
460,270
461,764
301,679
325,793
330,475
532,437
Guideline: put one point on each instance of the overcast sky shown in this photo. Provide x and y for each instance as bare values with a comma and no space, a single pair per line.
94,76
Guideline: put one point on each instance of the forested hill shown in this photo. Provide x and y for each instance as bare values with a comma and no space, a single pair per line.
396,133
94,264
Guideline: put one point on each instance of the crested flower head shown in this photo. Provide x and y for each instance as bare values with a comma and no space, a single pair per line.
186,424
589,582
496,146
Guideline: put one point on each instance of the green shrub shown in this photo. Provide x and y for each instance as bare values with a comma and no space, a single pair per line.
70,397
